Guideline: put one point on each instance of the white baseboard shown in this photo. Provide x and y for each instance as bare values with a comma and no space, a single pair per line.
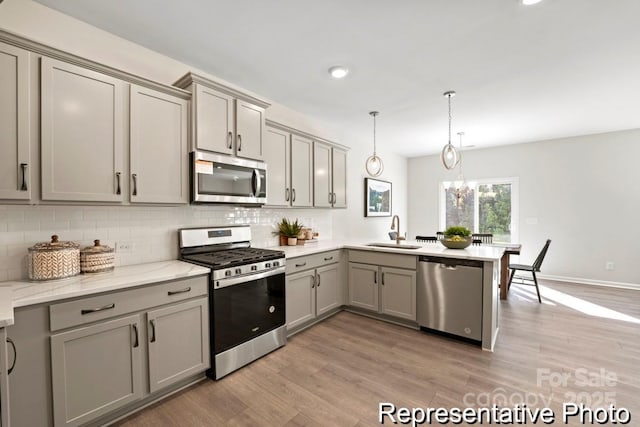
591,282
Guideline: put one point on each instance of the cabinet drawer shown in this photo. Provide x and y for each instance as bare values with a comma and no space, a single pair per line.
381,258
87,310
313,261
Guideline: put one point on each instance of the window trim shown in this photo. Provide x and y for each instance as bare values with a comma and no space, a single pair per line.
515,203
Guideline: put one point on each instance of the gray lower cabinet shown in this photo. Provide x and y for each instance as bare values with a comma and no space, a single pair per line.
385,290
178,342
312,293
4,379
95,370
15,159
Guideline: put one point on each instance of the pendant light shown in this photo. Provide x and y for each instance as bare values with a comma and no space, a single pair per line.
460,187
374,163
449,156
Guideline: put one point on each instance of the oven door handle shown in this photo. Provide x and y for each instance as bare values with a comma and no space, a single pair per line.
223,283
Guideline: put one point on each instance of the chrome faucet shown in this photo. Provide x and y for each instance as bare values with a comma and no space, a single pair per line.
394,220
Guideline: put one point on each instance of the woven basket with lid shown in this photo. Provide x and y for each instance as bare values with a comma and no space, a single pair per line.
96,258
53,260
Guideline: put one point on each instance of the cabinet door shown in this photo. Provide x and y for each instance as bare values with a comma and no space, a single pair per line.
301,298
339,184
328,288
4,379
278,157
158,147
301,171
83,134
363,286
178,342
95,370
15,163
398,292
249,130
214,120
322,191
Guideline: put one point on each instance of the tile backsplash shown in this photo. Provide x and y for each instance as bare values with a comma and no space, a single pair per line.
151,231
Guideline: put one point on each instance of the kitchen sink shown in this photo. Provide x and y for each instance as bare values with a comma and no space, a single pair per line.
393,246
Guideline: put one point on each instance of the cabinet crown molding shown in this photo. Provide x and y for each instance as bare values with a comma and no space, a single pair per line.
190,78
51,52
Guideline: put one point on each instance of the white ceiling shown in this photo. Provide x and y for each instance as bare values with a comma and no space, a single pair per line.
559,68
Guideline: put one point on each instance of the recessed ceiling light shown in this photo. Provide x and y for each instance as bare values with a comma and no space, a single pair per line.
530,2
338,72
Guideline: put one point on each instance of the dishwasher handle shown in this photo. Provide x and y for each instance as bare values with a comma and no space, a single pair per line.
451,263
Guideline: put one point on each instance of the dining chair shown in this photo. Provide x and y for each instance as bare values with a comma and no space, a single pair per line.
430,239
533,268
482,238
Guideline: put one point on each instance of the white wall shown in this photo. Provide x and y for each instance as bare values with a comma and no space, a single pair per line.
22,226
584,198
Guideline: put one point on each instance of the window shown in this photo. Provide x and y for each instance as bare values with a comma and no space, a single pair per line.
486,206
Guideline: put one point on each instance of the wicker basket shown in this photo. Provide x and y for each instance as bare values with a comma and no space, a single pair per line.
53,260
96,258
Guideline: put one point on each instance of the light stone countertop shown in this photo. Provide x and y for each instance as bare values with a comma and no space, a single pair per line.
481,253
23,293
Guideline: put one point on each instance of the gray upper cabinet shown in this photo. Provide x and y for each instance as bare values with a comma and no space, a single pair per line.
214,120
15,160
83,133
158,147
339,174
225,120
95,370
301,171
322,190
277,155
329,176
178,342
249,130
289,159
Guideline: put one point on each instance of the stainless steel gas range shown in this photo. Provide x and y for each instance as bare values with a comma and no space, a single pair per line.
246,294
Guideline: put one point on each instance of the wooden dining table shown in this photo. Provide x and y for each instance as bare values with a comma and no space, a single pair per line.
509,249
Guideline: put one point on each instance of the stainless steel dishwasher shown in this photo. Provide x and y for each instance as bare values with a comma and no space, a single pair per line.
449,296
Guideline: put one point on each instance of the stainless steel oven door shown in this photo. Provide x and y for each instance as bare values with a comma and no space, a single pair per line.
246,307
223,179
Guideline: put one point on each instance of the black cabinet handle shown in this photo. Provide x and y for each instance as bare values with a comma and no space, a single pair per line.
301,265
239,142
293,194
318,284
328,258
134,176
383,279
375,277
230,140
24,166
118,190
181,291
152,323
15,356
94,310
286,194
136,343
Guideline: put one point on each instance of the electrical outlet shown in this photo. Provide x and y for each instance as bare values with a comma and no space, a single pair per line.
609,265
124,247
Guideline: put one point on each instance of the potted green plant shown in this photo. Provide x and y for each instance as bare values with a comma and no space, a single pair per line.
457,237
288,232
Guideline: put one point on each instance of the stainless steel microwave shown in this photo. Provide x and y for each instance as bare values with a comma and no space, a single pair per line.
222,179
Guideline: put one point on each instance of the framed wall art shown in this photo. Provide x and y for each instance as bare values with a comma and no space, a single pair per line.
377,196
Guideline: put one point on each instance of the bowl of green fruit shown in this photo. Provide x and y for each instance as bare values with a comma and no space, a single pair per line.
456,237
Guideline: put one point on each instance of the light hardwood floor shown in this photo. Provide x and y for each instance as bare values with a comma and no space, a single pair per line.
337,372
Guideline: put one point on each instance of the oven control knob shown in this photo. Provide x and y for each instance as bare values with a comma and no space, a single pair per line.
267,265
227,273
272,309
238,271
276,263
254,268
